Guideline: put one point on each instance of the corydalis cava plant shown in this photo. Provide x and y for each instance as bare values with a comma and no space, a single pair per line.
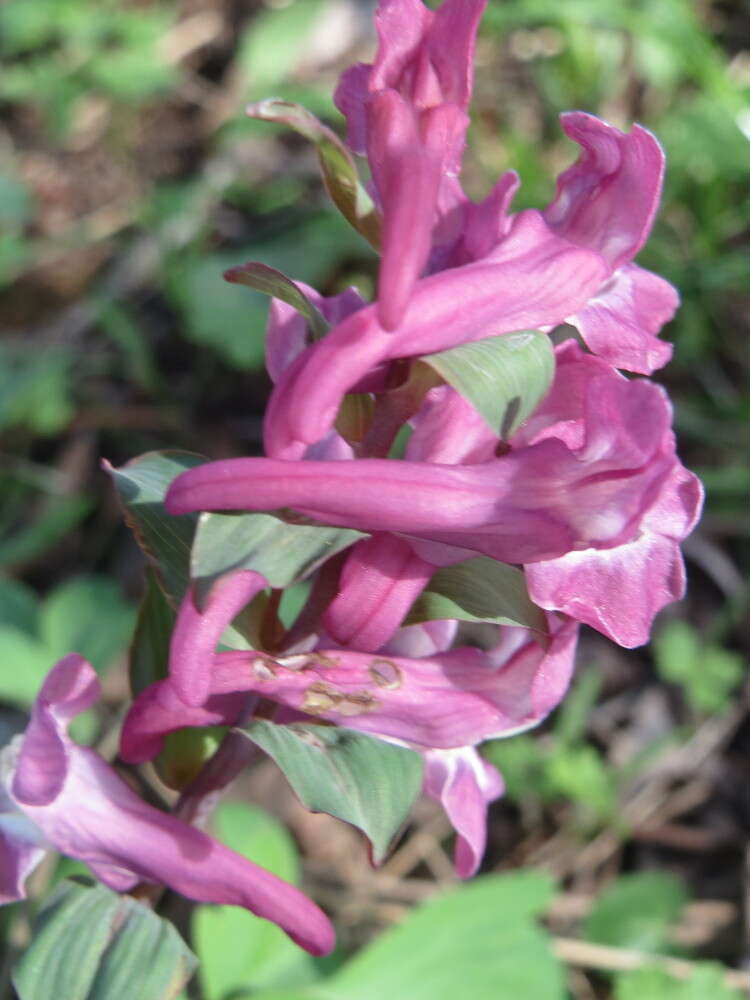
572,513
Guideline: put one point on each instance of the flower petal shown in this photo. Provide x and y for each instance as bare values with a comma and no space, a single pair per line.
407,157
452,699
618,591
621,322
22,844
464,784
379,583
532,279
198,631
608,199
42,768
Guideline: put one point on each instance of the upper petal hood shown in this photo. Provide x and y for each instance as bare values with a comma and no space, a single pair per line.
608,199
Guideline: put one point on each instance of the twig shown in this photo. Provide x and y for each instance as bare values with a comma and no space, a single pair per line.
586,955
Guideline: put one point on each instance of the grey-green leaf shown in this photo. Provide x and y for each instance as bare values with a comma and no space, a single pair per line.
504,378
149,651
90,943
165,540
336,164
272,282
357,778
283,553
478,590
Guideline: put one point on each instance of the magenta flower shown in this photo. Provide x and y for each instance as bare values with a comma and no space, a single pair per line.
619,590
607,202
464,784
198,630
499,273
441,701
583,473
54,793
407,111
380,581
532,278
412,691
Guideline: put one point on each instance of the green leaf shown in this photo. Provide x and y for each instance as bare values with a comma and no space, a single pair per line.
504,378
276,284
27,664
19,606
522,761
636,911
707,673
336,164
274,44
653,984
45,530
90,943
573,715
478,590
581,773
165,540
283,553
237,950
16,204
479,941
35,389
357,778
87,614
149,652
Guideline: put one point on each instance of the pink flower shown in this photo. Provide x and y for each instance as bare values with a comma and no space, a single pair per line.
494,272
583,473
443,700
381,579
411,691
198,630
607,202
54,793
464,784
532,278
408,113
619,590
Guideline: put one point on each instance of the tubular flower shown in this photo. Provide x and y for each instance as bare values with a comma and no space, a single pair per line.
407,111
54,793
493,272
444,700
582,473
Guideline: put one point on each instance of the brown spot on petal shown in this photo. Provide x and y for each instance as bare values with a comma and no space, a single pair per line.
358,704
320,697
386,674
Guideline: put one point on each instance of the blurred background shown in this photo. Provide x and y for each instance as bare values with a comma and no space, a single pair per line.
129,179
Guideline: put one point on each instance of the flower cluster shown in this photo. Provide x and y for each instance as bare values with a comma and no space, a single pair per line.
584,501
